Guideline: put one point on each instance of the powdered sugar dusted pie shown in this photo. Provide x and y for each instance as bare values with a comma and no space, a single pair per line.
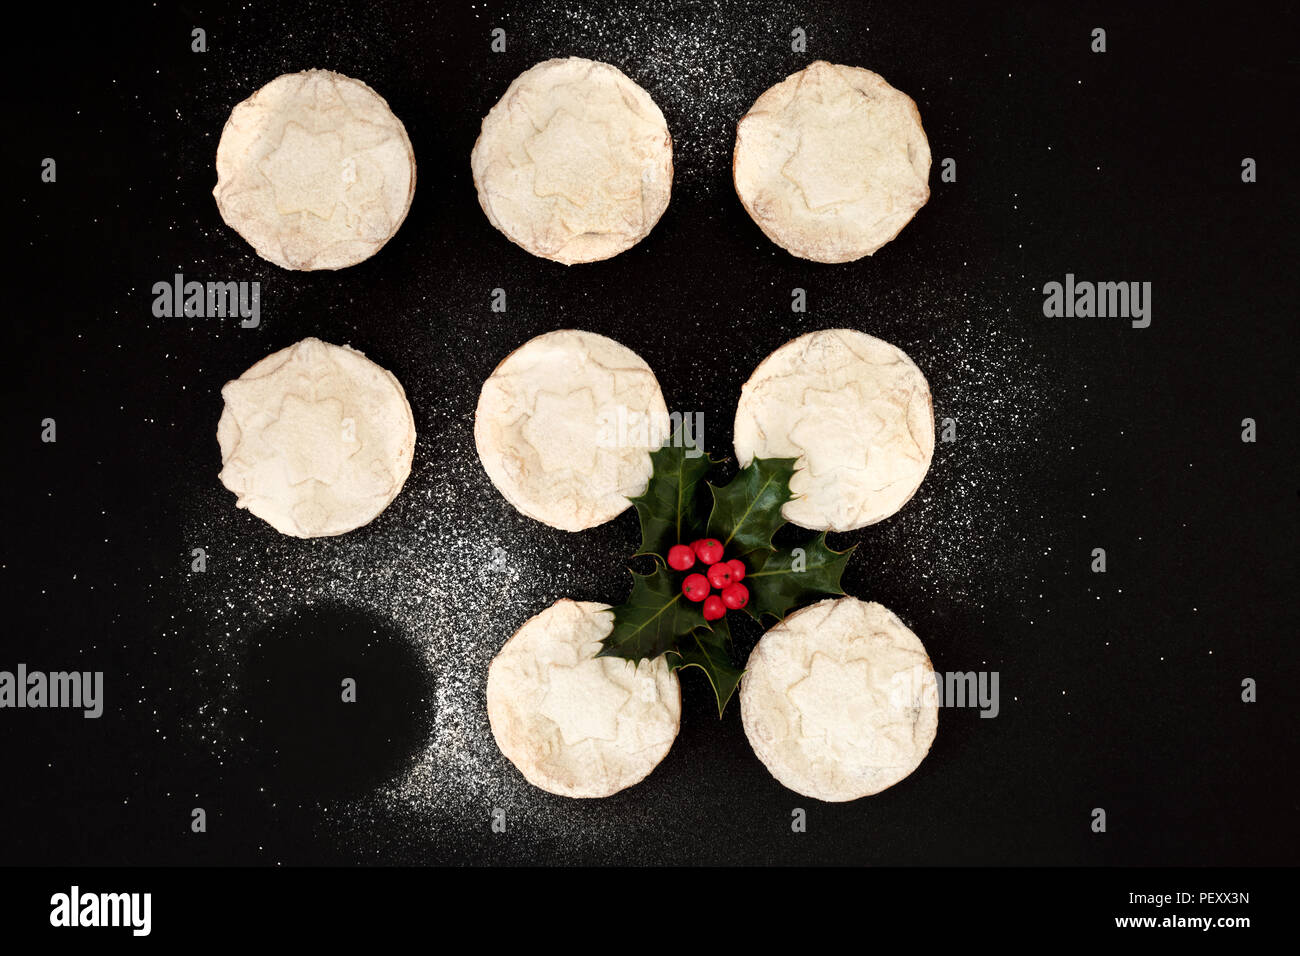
565,427
315,171
839,700
855,411
575,724
575,162
315,439
832,162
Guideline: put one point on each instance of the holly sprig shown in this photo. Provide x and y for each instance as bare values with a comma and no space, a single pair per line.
744,514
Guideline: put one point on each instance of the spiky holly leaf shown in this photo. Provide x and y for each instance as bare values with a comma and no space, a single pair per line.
780,579
709,649
747,510
669,508
655,616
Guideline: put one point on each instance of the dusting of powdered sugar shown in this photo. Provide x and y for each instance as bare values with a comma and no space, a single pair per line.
451,570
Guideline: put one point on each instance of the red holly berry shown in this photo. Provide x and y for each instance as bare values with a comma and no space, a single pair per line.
735,597
719,574
695,587
680,557
708,550
737,569
713,608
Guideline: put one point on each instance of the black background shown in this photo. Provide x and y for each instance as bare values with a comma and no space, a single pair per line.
1119,691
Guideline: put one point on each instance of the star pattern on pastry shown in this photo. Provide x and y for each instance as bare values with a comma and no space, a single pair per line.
829,166
567,424
332,442
588,160
565,441
574,163
826,424
306,172
831,691
873,421
599,703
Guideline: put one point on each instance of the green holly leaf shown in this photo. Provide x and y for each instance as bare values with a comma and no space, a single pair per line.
709,649
669,508
747,510
655,616
780,579
658,619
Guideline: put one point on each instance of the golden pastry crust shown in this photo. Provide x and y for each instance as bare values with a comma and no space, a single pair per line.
839,701
574,724
565,426
575,163
314,171
832,162
316,439
855,411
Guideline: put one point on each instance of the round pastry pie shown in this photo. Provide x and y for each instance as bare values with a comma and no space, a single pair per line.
315,439
839,700
314,171
565,426
575,724
855,411
575,162
832,162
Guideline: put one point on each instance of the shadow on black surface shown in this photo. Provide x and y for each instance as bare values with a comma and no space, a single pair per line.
312,743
